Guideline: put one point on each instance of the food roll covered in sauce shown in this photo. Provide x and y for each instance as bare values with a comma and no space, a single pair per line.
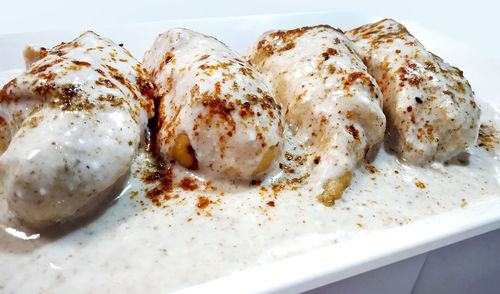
331,100
216,114
70,127
430,108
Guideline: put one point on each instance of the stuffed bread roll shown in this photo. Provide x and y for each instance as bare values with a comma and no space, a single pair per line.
331,100
216,114
430,107
71,125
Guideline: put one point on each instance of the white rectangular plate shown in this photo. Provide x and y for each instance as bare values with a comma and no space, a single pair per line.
335,262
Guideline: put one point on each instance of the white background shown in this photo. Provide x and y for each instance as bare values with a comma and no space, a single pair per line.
473,20
471,266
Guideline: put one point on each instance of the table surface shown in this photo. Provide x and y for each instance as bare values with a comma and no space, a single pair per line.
470,266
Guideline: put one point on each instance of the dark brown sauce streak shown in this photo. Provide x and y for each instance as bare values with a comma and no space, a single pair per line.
161,173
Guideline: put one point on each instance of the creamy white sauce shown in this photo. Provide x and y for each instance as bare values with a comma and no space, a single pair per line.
129,247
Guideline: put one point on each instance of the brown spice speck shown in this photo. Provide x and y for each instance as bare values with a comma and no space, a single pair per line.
371,169
489,137
82,63
203,202
188,184
354,132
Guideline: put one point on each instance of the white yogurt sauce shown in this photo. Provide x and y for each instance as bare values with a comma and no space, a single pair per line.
131,247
